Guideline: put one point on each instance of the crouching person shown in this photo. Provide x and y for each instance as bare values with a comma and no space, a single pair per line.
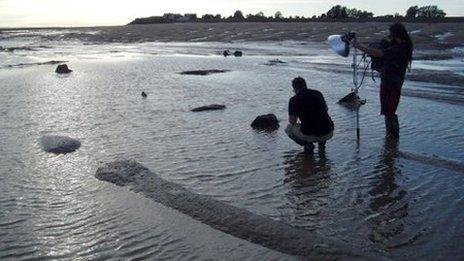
315,123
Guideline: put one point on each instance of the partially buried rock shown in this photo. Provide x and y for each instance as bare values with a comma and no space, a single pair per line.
62,69
144,95
211,107
266,122
274,62
351,100
120,172
59,144
203,72
238,53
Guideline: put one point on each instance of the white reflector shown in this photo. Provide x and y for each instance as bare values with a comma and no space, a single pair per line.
338,45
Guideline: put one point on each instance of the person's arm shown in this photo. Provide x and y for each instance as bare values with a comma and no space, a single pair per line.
370,51
323,103
292,111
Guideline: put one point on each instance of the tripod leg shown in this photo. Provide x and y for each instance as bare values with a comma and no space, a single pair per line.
358,134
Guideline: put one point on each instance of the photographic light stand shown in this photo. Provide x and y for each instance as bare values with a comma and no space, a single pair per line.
356,88
340,44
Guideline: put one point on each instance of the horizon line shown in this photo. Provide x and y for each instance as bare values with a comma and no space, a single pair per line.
127,24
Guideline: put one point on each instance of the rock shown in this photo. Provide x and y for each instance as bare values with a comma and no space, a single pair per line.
120,172
266,122
144,95
59,144
351,100
62,68
211,107
14,49
238,53
203,72
31,64
229,219
226,53
275,62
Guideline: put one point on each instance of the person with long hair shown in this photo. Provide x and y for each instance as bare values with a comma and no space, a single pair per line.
395,60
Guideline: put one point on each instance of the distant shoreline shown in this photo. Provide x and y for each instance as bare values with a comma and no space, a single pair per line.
157,20
444,20
56,27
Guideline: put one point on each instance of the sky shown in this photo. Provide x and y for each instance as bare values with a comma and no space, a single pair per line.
43,13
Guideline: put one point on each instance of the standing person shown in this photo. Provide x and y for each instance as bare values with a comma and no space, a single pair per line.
395,62
310,108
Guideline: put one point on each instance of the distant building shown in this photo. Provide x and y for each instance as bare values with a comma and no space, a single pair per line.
188,18
172,17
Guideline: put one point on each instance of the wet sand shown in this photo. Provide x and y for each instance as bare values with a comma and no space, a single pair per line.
437,36
433,41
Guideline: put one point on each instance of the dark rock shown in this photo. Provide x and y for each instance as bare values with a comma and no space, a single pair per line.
351,100
266,122
203,72
13,49
62,68
211,107
275,62
59,144
238,53
144,95
226,53
32,64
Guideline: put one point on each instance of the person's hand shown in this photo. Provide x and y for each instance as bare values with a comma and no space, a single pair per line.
351,41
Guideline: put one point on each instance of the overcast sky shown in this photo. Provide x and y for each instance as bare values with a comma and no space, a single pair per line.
31,13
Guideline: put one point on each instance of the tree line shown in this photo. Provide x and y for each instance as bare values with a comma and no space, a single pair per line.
336,13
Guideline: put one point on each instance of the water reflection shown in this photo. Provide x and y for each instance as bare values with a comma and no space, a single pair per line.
308,178
302,167
388,206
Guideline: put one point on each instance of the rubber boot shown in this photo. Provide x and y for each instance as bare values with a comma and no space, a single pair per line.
392,126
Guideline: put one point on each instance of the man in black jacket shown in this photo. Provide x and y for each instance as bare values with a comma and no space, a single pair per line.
310,108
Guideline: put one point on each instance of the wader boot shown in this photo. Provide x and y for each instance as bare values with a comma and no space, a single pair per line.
392,126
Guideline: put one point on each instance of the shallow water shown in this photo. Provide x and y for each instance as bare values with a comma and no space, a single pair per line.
399,201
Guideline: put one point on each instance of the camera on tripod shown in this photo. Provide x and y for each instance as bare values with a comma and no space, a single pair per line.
348,37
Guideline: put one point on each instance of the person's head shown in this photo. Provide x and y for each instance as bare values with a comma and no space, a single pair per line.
399,34
299,84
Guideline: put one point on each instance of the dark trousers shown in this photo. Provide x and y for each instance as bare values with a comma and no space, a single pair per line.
389,100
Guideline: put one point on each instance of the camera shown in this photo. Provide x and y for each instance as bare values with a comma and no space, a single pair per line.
348,36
